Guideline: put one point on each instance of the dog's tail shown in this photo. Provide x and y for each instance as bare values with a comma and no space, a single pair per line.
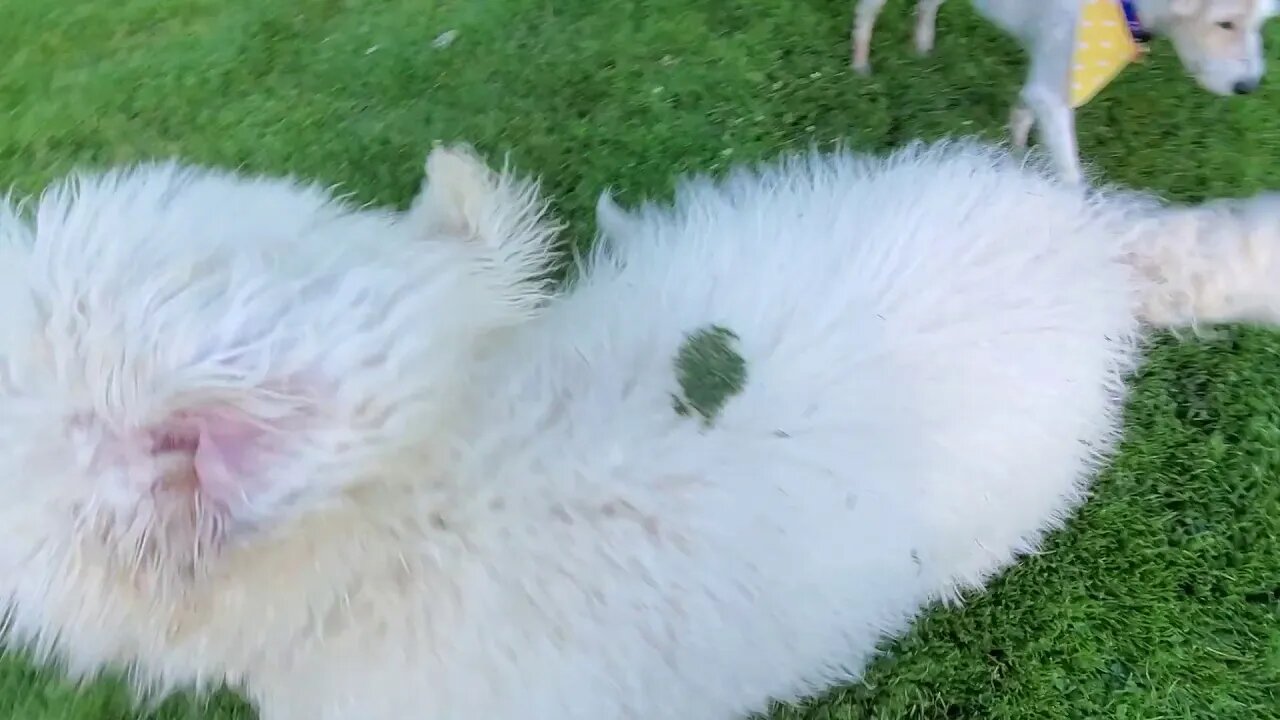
1218,262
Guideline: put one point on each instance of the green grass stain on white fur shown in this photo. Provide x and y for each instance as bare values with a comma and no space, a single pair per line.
710,370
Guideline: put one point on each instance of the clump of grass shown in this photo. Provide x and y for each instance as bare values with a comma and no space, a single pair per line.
710,371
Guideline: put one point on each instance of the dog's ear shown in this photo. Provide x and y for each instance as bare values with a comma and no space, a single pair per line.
500,215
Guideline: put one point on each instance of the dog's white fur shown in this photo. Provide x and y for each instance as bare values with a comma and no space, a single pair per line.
1218,41
363,466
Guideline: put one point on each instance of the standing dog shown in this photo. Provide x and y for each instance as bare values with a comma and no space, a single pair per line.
1218,41
363,465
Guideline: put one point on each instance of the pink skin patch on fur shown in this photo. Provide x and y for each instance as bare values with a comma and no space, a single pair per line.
221,443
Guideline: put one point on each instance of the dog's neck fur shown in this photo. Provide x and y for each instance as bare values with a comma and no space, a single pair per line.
1136,27
1151,13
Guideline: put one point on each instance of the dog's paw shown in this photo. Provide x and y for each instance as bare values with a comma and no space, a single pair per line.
458,191
457,164
860,54
463,197
501,215
1021,120
924,41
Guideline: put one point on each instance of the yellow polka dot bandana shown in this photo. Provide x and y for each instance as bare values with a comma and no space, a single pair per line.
1104,46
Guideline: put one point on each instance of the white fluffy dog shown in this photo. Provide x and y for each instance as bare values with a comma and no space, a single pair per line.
367,466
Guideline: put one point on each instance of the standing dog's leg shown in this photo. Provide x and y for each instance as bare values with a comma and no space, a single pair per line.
1046,95
864,23
1045,99
926,24
1021,121
1057,123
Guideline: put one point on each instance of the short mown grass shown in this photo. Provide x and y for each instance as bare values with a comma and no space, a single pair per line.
1162,599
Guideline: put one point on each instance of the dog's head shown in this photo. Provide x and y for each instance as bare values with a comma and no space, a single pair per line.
1219,41
191,360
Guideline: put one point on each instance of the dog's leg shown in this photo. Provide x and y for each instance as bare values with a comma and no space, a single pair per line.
1047,96
1021,120
1211,263
1057,123
926,24
500,215
864,24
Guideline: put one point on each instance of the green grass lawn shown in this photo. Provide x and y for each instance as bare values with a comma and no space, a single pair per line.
1161,601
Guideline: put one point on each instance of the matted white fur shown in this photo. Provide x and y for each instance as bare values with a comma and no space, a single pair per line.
365,466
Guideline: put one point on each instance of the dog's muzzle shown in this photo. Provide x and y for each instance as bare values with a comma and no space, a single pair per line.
1244,87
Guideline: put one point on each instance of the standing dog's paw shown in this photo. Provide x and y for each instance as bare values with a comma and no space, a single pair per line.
924,41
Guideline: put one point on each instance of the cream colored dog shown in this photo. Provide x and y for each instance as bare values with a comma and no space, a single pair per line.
365,465
1218,41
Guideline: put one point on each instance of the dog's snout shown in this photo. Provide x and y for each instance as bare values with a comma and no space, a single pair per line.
1246,86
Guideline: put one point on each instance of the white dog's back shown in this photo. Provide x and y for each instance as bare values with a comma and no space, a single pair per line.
933,350
911,369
